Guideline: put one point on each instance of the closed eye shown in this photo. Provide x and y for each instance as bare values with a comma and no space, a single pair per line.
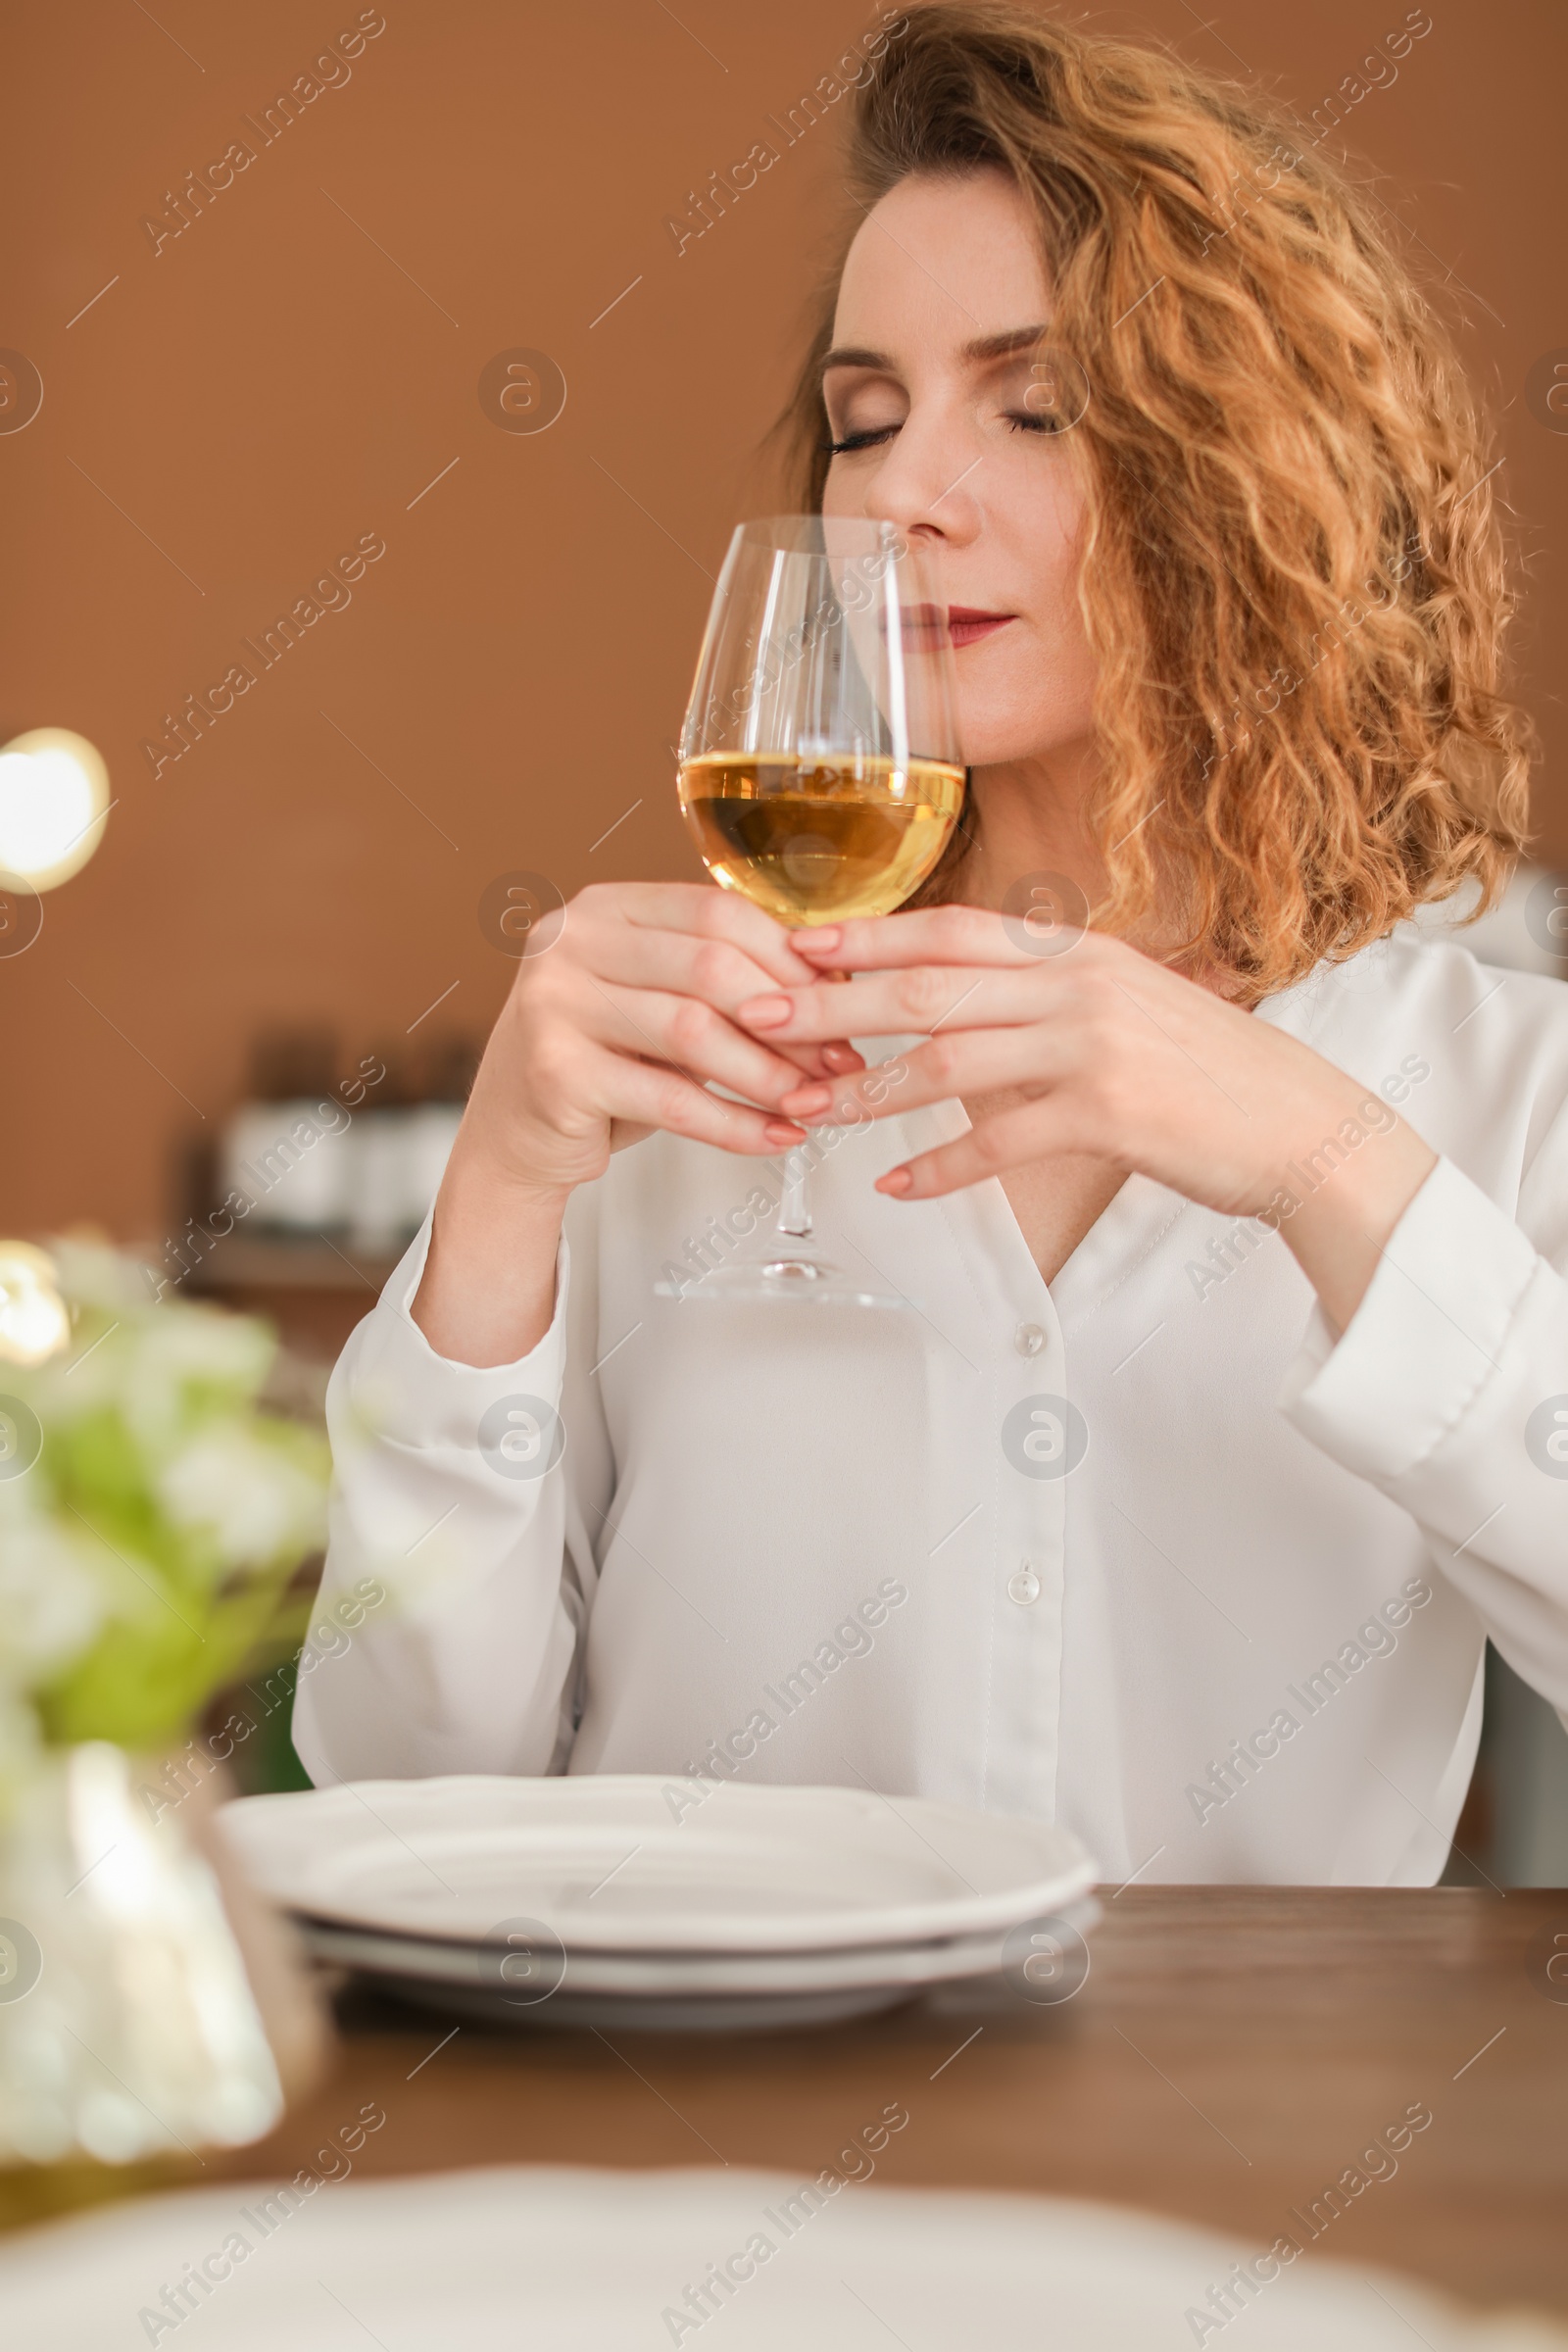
1019,421
855,441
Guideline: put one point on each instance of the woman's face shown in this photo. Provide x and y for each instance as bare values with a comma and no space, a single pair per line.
954,438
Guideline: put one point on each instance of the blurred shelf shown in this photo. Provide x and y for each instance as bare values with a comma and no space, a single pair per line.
242,1263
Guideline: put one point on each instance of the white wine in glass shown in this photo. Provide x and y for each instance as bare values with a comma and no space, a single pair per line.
817,840
821,771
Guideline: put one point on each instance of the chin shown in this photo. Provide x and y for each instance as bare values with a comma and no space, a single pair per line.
997,729
992,742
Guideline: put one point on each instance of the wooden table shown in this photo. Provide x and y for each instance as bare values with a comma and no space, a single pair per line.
1233,2053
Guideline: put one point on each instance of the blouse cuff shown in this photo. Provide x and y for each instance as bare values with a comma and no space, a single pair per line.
421,1400
1430,1332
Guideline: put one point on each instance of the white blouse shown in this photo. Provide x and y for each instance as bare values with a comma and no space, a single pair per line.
1143,1551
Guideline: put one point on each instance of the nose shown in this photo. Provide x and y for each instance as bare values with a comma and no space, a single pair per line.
928,482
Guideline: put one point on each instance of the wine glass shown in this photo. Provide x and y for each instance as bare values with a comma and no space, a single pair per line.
820,775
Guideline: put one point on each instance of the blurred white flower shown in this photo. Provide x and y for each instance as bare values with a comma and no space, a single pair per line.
153,1430
96,1276
253,1498
158,1366
52,1600
202,1343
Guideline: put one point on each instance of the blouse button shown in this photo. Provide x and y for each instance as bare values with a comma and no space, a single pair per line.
1029,1339
1023,1586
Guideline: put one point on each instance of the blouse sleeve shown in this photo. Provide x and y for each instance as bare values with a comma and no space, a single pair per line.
1448,1391
461,1551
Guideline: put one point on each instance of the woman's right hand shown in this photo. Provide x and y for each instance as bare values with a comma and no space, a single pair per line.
617,1018
618,1015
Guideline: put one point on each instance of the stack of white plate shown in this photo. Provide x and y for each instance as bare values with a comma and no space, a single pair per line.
621,1898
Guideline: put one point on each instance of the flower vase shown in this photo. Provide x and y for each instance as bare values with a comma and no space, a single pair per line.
150,2005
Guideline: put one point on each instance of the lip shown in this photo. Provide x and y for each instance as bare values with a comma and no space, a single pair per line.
967,624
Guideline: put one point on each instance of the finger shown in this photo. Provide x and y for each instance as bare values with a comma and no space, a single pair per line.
707,912
692,1037
824,1062
647,1095
696,965
978,1062
926,998
1035,1131
926,935
715,970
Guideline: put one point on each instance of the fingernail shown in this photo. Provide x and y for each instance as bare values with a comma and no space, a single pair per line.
764,1012
818,943
843,1059
808,1100
780,1131
896,1181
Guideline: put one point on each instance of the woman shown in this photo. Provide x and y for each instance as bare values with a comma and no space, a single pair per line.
1230,1417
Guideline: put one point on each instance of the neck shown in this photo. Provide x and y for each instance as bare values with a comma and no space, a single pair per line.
1032,821
1033,827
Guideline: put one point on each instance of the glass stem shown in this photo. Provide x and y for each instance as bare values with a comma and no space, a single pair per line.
794,1207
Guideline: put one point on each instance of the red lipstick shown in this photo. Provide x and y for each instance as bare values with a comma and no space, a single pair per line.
967,623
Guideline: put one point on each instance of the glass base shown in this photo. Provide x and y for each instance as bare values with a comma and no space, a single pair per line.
791,1273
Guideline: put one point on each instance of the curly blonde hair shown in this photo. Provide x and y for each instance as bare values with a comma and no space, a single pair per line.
1293,575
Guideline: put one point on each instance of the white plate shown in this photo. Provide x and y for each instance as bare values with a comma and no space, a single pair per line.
604,1862
894,1965
684,1992
564,2010
576,2260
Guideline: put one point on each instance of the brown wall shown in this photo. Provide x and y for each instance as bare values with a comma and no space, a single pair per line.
239,408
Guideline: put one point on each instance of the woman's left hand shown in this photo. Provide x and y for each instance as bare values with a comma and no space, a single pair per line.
1118,1059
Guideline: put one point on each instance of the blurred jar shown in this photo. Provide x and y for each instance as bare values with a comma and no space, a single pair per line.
360,1157
402,1144
383,1141
445,1081
432,1132
288,1148
294,1161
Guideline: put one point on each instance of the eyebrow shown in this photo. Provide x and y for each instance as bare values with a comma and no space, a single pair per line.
985,347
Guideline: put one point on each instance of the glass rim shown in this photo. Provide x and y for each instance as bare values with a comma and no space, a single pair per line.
780,532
